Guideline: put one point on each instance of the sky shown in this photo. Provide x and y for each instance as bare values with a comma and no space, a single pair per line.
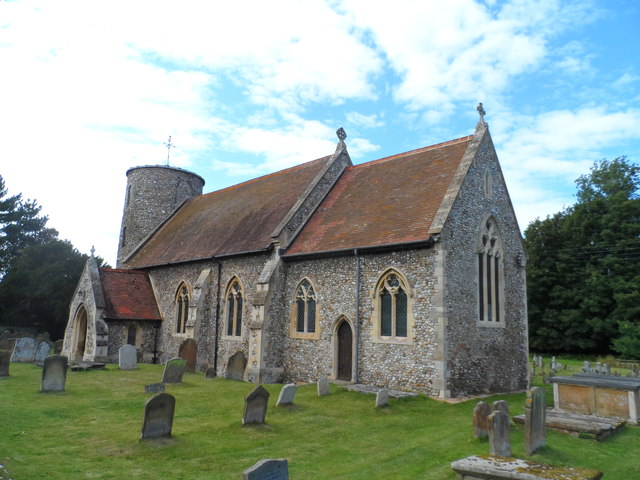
244,88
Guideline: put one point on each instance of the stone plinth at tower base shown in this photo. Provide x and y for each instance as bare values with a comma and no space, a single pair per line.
492,467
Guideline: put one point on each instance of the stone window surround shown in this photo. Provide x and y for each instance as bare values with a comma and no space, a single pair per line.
293,316
180,295
376,318
490,227
225,315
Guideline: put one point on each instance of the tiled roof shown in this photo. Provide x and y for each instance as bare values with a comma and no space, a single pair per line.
388,201
234,220
128,295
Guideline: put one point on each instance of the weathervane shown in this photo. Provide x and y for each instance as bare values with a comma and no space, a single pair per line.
480,111
169,146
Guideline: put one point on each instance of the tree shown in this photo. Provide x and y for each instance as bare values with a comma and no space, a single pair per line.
20,226
583,266
38,287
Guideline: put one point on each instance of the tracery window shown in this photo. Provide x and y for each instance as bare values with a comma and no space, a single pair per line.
490,282
305,308
393,305
234,309
182,309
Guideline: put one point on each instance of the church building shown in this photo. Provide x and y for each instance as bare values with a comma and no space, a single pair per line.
406,272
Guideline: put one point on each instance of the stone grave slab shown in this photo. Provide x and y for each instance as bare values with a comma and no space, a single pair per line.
255,406
173,370
587,426
534,421
268,469
24,350
41,352
128,357
287,395
499,438
382,398
158,416
323,387
54,373
189,351
481,424
236,366
5,362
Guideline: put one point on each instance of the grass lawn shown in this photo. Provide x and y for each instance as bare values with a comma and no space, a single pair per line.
92,431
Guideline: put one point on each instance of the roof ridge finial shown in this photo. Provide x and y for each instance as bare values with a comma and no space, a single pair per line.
481,111
93,251
341,134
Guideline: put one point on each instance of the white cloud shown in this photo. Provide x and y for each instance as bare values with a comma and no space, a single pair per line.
367,121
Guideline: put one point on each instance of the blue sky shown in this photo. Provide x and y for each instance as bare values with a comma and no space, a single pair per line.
89,89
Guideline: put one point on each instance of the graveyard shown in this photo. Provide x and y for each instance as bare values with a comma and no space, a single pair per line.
92,429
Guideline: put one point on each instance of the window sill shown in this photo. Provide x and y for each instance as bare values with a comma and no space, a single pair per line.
488,324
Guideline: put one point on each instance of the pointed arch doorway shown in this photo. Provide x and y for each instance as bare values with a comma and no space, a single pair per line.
80,341
344,350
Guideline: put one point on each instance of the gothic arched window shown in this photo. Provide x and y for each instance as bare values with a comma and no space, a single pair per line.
182,309
234,309
490,283
392,306
305,308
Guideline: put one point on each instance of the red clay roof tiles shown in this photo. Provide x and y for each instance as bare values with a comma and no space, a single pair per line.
128,295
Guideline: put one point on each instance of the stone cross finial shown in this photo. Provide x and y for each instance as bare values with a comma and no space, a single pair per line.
341,134
481,111
93,250
169,146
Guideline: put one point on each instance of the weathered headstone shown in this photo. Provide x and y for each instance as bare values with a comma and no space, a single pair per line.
5,362
323,387
606,370
268,469
24,350
499,439
54,373
41,352
236,366
158,416
154,388
287,395
127,357
382,397
534,421
255,406
481,425
587,366
210,372
189,351
57,346
501,406
173,370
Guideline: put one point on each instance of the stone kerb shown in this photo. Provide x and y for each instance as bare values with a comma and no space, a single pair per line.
24,350
499,439
481,424
255,406
158,416
128,357
268,469
534,421
287,395
173,370
54,374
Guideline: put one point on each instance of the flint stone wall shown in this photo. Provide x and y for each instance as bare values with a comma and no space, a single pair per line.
145,338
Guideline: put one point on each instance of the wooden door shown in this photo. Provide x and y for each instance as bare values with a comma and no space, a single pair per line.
345,351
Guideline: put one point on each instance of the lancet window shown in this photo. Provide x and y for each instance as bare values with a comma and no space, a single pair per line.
234,309
182,309
490,282
305,308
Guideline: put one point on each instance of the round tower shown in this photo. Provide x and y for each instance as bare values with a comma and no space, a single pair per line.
153,193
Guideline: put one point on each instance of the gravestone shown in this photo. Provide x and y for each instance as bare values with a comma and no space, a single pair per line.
255,406
210,372
24,350
268,469
587,366
57,346
501,406
189,351
481,425
127,357
41,352
534,421
54,373
173,370
382,397
158,416
499,440
5,362
287,394
323,387
154,388
236,366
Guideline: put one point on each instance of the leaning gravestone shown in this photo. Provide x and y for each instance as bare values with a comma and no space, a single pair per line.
268,469
41,352
287,394
5,362
323,387
127,357
255,406
189,351
24,350
481,425
236,366
382,397
173,370
534,421
158,416
54,373
499,440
